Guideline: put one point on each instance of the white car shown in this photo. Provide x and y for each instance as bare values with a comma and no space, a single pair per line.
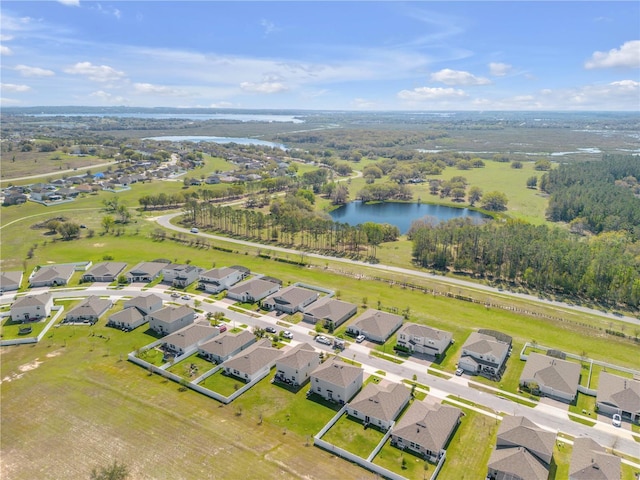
287,334
195,230
459,372
323,339
617,420
360,338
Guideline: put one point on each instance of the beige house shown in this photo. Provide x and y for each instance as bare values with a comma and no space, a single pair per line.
590,461
330,312
104,272
290,300
32,307
253,290
171,319
619,395
422,339
336,381
551,377
145,303
254,362
10,281
426,428
88,310
180,276
51,276
296,365
145,272
179,342
379,404
226,345
219,279
484,355
375,325
135,312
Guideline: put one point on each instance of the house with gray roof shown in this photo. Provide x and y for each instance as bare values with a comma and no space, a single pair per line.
290,300
32,307
147,304
336,381
145,272
254,362
426,428
10,281
296,365
171,319
551,377
104,272
618,395
379,404
423,339
330,312
188,337
127,319
375,325
252,290
180,276
218,279
590,461
484,355
88,310
51,276
224,346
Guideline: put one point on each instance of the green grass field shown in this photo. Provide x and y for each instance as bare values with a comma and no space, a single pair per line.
349,433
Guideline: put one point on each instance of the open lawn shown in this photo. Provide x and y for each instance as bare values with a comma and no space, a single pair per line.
413,468
11,330
221,383
191,367
350,434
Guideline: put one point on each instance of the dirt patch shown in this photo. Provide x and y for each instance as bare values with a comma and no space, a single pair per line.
29,366
98,245
54,354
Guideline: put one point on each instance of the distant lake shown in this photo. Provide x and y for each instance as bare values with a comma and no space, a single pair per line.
399,214
240,117
204,138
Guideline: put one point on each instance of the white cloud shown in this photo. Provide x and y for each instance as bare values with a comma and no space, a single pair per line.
423,94
269,26
221,105
5,38
97,73
499,69
149,88
263,87
4,50
458,77
12,87
71,3
628,55
27,71
109,98
362,104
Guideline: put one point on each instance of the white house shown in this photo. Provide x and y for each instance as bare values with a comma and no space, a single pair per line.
88,310
51,276
145,303
423,339
330,312
252,290
171,319
551,377
219,279
484,354
379,404
619,395
180,276
375,325
254,362
296,365
127,319
104,272
145,272
32,307
188,337
290,300
336,381
10,281
224,346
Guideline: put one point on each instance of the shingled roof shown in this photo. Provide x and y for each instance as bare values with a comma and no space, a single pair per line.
623,393
337,372
299,356
590,461
254,358
560,375
381,401
428,425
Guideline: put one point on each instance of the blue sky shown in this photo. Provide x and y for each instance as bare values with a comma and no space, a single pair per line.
335,55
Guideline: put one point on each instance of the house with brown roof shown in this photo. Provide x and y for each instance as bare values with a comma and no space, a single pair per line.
426,428
218,279
51,276
296,365
88,310
551,377
485,355
423,339
31,307
290,300
379,404
190,336
336,381
330,312
10,281
523,450
254,362
375,325
590,461
224,346
104,272
145,272
171,319
253,290
618,395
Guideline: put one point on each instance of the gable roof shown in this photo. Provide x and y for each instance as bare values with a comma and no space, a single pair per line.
292,295
254,358
428,425
227,343
621,392
375,322
255,287
481,344
32,301
519,463
10,278
218,273
147,268
590,461
49,273
171,314
128,316
143,301
561,375
336,372
90,306
423,331
330,309
517,430
104,269
190,335
381,401
299,356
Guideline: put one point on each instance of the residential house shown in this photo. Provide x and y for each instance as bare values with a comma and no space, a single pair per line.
226,345
14,199
253,290
379,404
10,281
296,365
145,272
375,325
188,337
423,339
104,272
180,276
619,395
254,362
32,307
171,319
145,303
330,312
51,276
127,319
590,461
485,355
219,279
523,450
290,300
88,310
551,377
336,381
426,428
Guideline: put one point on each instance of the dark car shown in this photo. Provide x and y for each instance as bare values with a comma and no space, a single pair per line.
270,330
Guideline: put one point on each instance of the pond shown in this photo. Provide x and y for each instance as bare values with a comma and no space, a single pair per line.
400,214
203,138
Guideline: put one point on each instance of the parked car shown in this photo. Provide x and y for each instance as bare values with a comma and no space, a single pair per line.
175,295
186,297
459,372
195,230
222,328
360,338
270,329
287,334
617,420
322,339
